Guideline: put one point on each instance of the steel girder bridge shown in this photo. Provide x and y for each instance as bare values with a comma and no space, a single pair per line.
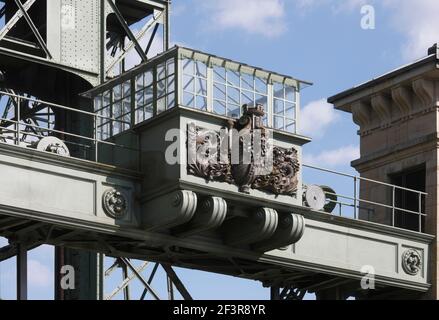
84,145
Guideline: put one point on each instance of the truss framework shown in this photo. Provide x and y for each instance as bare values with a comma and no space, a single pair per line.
118,49
26,235
22,12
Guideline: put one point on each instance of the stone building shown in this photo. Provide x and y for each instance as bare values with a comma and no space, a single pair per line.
398,118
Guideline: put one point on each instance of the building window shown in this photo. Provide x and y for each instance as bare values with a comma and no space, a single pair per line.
232,89
413,179
216,86
113,108
103,110
223,90
144,109
165,86
121,107
195,84
284,107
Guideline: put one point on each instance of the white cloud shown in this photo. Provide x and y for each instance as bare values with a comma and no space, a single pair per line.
262,17
3,242
39,275
316,117
418,21
337,6
333,158
178,9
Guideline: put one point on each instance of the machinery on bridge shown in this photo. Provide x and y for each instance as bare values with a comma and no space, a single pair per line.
153,165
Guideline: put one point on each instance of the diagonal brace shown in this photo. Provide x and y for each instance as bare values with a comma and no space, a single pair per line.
177,282
139,276
140,35
34,28
126,281
15,18
151,277
127,30
3,10
151,39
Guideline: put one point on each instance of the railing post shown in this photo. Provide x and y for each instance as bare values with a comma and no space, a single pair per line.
420,212
17,141
355,198
95,117
393,205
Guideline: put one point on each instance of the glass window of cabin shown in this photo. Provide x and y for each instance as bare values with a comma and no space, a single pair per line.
284,107
121,107
144,104
165,85
232,89
104,112
194,84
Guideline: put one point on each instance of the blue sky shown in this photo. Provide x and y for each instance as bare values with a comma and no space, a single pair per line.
317,40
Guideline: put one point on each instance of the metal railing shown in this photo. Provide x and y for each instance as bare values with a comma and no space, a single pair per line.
359,205
356,203
15,130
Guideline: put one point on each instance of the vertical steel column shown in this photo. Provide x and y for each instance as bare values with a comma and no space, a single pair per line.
21,271
170,288
58,263
101,276
103,73
126,290
275,293
88,274
177,282
167,26
18,119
